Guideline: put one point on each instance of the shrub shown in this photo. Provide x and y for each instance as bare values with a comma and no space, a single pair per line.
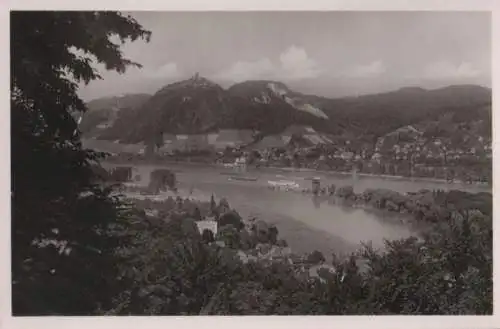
316,257
120,174
207,236
447,271
260,231
100,174
196,213
182,227
345,192
272,234
282,243
231,218
230,236
246,240
162,179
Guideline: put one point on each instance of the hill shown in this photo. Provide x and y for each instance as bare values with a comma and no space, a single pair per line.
376,115
123,101
191,106
198,105
102,113
271,107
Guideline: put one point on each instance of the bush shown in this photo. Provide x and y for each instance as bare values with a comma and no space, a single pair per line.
246,240
447,271
196,213
429,276
230,236
316,257
231,218
100,174
282,243
120,174
272,234
260,231
345,192
207,236
161,180
331,189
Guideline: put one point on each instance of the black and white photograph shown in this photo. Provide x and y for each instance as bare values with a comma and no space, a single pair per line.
237,163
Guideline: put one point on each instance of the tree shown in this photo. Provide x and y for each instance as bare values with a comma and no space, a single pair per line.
53,194
315,257
231,218
161,180
207,236
448,270
213,205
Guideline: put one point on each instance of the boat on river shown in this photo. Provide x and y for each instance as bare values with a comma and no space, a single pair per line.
283,184
239,171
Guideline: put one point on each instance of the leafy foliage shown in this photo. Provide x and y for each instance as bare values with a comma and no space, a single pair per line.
231,218
448,271
54,196
161,180
315,257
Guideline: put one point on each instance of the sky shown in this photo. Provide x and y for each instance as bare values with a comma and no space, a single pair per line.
332,54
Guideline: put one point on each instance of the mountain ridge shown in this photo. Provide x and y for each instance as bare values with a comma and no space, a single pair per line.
198,105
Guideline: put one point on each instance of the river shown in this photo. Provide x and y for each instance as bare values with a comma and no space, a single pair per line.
306,223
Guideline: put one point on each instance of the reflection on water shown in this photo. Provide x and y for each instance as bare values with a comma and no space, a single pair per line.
306,222
352,225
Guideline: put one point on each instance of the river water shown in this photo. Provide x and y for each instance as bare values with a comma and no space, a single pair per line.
306,223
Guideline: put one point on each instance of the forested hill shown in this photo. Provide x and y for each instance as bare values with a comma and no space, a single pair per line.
198,105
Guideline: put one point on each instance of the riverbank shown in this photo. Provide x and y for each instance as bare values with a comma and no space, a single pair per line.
194,164
254,260
331,223
393,177
304,233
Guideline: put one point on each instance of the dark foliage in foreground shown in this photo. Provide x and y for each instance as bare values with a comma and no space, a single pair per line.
62,258
448,271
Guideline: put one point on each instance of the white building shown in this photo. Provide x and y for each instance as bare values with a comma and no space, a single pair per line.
210,225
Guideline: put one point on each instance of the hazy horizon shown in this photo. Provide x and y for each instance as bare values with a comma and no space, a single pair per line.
332,54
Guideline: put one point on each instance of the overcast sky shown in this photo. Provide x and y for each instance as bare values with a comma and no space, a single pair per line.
326,53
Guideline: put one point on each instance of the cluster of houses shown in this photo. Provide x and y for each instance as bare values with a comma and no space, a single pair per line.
406,151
